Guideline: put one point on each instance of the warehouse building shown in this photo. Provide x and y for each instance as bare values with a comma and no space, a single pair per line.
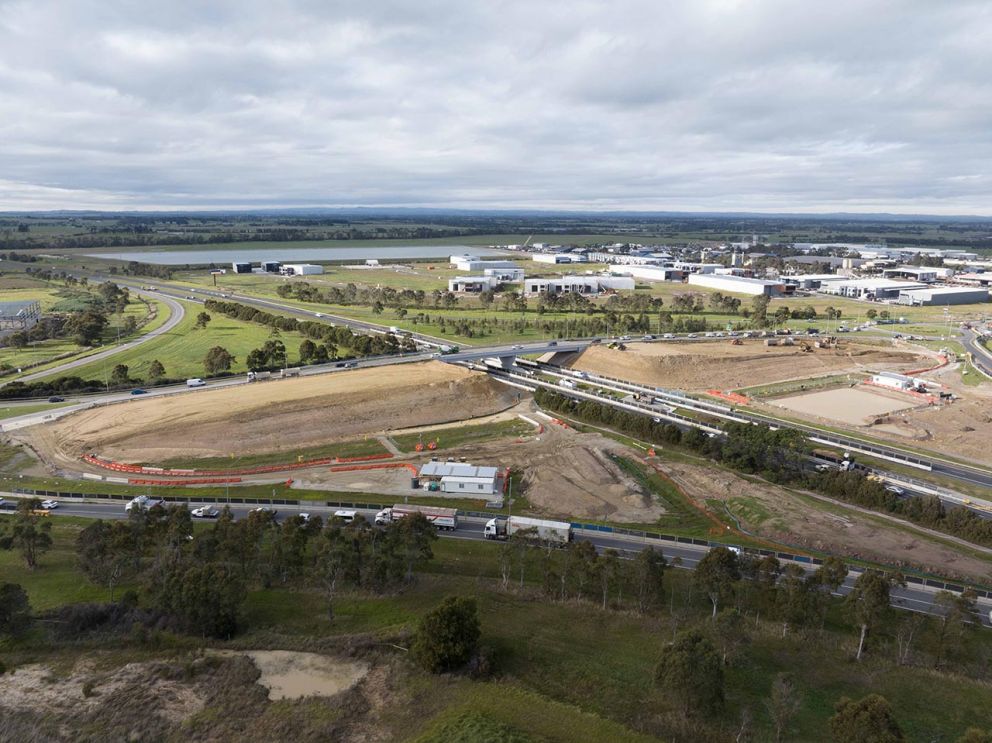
871,288
650,273
473,263
579,285
974,279
241,267
812,281
559,258
505,275
271,266
463,479
739,284
472,284
302,269
944,295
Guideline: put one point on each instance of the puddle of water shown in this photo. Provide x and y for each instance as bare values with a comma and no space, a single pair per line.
291,675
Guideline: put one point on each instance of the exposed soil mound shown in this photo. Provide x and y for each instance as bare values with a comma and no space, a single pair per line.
720,365
275,416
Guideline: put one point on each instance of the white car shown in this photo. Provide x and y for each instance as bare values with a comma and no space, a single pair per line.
48,505
304,517
318,314
205,512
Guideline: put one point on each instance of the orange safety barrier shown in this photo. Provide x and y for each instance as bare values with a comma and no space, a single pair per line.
379,466
731,396
944,361
365,458
181,483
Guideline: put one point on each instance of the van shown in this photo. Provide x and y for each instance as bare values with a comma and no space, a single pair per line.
346,516
195,382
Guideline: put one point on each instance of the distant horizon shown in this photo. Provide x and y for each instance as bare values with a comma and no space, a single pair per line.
385,211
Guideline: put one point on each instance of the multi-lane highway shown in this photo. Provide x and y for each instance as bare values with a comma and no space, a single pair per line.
981,357
914,597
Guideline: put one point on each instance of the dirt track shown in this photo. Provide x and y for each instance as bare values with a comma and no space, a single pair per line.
284,415
720,365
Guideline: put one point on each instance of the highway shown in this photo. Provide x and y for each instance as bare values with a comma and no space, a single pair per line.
981,357
913,598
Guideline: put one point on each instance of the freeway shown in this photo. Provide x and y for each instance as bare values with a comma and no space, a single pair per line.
176,316
914,597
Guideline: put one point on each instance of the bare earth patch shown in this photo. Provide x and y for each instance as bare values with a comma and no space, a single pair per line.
777,514
719,365
857,406
283,415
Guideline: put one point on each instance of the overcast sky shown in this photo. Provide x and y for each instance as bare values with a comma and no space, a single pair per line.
758,105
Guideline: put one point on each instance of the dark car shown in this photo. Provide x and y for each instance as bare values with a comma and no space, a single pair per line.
56,398
139,392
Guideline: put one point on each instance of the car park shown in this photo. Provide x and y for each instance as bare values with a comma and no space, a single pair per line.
205,512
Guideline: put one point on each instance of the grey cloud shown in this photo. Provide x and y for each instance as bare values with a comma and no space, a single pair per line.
713,104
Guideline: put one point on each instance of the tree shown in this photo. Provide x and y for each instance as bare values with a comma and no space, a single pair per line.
448,635
119,376
202,320
794,598
15,610
648,570
27,533
156,370
759,311
217,360
783,703
86,328
207,597
18,339
691,672
308,350
415,534
868,603
336,560
716,574
948,629
869,720
105,552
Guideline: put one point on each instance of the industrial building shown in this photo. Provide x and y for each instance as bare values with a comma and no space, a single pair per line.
696,267
271,266
505,275
472,284
899,381
944,295
627,259
474,263
812,281
16,316
974,279
739,284
650,273
917,273
302,269
559,258
463,479
870,288
241,267
579,285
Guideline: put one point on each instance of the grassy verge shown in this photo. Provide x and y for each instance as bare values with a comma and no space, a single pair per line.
450,438
356,448
12,411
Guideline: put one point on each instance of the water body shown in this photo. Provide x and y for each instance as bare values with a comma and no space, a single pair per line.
291,254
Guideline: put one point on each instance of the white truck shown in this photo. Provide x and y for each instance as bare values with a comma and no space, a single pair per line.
442,518
195,382
551,531
566,383
142,503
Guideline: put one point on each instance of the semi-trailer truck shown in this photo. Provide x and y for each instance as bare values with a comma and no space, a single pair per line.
442,518
552,531
142,503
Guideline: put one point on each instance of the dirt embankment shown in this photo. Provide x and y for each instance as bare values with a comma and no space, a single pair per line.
720,365
779,515
283,415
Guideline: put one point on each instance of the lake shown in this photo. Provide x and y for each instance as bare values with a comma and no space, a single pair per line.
291,254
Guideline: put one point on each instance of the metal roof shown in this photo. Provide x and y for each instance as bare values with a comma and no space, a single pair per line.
456,469
16,308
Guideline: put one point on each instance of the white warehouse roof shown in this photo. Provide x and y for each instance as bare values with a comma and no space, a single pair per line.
456,469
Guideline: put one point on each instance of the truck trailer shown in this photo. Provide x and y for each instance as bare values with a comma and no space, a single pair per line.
442,518
551,531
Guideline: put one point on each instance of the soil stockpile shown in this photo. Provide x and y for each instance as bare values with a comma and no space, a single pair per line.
720,365
283,415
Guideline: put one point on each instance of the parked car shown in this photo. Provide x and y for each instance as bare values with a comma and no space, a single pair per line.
139,391
56,398
48,505
3,503
205,512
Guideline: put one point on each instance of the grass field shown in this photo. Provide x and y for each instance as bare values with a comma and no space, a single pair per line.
182,349
341,449
11,411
